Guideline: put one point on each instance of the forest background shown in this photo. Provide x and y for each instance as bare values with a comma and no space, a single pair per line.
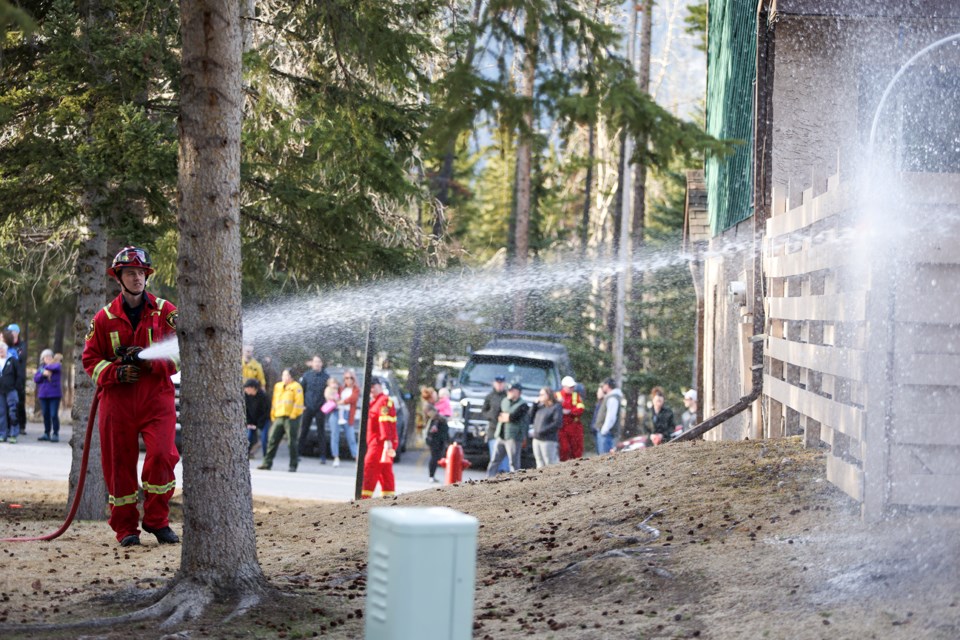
380,139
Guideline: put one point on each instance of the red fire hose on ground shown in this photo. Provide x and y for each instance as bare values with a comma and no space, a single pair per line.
83,474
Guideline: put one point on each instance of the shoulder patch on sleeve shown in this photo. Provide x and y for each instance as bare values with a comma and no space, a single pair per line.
172,320
90,333
384,410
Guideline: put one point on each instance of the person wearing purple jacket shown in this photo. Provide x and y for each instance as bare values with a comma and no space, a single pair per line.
48,391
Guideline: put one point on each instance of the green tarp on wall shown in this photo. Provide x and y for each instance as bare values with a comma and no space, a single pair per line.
731,70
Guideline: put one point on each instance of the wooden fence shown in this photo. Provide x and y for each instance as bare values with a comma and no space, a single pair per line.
862,345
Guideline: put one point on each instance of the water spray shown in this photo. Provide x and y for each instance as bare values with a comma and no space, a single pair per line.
168,349
893,82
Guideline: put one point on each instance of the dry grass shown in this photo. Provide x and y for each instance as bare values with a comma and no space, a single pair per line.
726,540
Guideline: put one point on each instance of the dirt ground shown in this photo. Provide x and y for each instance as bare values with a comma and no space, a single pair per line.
696,540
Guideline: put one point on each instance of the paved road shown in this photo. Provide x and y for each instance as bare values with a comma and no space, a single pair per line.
34,460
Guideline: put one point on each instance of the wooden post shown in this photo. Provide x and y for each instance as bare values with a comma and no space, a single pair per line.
365,407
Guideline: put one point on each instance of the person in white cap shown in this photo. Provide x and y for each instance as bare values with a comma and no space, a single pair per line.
571,432
689,417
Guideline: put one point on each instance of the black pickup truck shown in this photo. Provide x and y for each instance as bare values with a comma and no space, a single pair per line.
531,362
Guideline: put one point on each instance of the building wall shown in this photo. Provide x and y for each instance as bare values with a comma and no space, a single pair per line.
726,371
829,74
857,347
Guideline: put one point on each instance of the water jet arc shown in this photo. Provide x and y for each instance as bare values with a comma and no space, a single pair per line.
893,81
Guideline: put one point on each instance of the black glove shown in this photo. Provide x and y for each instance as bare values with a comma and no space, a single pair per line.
128,373
131,356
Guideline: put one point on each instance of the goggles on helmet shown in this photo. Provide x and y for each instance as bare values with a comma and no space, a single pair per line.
130,257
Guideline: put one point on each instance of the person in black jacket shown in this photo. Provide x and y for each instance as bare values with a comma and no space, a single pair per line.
314,381
258,412
511,430
17,349
660,423
9,383
547,419
491,410
438,437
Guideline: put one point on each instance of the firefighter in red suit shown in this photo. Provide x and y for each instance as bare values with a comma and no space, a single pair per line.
382,443
571,431
136,398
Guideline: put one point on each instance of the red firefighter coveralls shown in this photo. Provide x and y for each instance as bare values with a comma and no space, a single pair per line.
571,431
381,426
145,407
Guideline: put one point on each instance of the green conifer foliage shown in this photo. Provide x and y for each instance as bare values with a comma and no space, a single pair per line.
88,103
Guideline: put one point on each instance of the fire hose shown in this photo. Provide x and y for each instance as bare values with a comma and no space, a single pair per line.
83,474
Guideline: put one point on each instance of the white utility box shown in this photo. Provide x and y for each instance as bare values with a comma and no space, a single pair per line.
420,574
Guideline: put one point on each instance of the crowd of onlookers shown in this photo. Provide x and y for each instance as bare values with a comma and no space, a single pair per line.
553,424
279,406
294,405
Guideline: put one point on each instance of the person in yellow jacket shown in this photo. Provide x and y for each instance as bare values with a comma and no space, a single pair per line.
285,413
252,368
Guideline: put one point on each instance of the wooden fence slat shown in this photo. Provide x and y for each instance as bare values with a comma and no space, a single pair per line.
838,361
927,338
825,205
925,490
847,477
846,307
940,249
908,399
803,262
933,369
928,294
931,188
923,459
840,417
926,428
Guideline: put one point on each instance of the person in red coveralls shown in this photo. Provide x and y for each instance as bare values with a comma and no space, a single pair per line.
136,398
382,443
571,432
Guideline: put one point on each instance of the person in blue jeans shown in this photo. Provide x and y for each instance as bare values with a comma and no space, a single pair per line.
343,417
9,381
337,422
609,416
257,406
49,394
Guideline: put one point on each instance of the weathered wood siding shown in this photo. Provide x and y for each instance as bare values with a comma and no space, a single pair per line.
863,350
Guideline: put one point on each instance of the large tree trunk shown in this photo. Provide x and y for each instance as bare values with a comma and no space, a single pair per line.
219,556
524,185
617,225
588,190
445,179
91,294
525,142
635,355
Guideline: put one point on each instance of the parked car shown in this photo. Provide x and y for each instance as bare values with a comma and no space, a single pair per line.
176,388
392,388
531,362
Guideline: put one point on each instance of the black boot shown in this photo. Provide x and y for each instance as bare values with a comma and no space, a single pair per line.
164,536
131,540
